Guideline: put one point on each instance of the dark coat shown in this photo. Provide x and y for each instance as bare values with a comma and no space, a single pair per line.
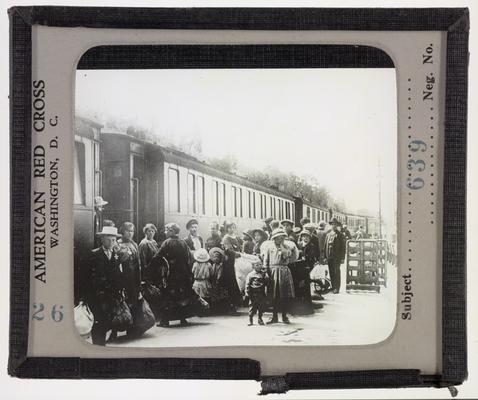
335,246
190,242
321,235
131,275
309,254
104,283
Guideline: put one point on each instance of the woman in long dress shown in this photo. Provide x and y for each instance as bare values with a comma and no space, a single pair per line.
178,293
278,254
232,246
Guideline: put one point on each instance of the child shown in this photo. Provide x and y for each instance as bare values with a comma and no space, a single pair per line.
256,283
202,273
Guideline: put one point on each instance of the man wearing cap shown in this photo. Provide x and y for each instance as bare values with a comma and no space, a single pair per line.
193,240
335,253
346,232
288,226
99,204
104,283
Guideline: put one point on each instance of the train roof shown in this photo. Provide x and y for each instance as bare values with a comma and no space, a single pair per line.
175,156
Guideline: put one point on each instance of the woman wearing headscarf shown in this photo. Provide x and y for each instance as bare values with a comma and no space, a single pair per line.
148,247
232,246
277,257
177,277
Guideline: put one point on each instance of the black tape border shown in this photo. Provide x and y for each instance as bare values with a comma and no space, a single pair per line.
453,20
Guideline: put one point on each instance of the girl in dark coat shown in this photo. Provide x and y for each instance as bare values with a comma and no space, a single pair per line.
148,247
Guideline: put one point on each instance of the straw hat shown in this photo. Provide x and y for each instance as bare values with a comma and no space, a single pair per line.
201,255
277,233
287,221
109,231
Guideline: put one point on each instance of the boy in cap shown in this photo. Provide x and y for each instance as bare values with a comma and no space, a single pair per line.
256,282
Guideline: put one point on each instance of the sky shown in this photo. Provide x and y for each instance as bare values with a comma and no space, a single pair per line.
337,125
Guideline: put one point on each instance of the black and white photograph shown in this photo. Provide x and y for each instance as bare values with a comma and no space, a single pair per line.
234,207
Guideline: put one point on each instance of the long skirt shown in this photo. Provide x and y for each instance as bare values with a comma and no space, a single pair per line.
282,284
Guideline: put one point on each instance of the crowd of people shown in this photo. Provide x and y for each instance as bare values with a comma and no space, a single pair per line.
193,276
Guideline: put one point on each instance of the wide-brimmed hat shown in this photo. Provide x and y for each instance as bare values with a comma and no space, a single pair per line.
216,250
100,202
277,233
249,233
322,224
201,255
191,222
109,231
287,221
310,227
268,220
296,229
262,232
305,232
334,221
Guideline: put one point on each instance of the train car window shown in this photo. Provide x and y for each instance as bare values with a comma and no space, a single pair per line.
249,203
234,200
271,201
240,202
215,195
253,205
201,196
222,198
191,194
293,211
79,172
308,212
173,189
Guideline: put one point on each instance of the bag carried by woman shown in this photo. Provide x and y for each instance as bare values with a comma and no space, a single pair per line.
84,319
143,317
121,319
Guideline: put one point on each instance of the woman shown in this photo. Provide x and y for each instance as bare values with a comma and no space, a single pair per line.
232,246
248,242
178,277
128,252
148,246
277,258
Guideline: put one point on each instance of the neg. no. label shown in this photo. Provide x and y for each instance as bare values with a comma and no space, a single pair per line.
416,166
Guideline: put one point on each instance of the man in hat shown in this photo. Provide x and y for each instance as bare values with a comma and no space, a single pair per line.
314,239
104,282
99,204
335,253
193,240
288,226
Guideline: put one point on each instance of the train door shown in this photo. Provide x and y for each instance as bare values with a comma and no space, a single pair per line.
137,193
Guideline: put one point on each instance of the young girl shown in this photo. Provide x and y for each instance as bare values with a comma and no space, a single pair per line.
202,274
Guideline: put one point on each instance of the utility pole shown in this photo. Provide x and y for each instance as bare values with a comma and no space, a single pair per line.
379,200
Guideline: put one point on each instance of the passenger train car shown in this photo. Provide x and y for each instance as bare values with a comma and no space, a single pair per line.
144,182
